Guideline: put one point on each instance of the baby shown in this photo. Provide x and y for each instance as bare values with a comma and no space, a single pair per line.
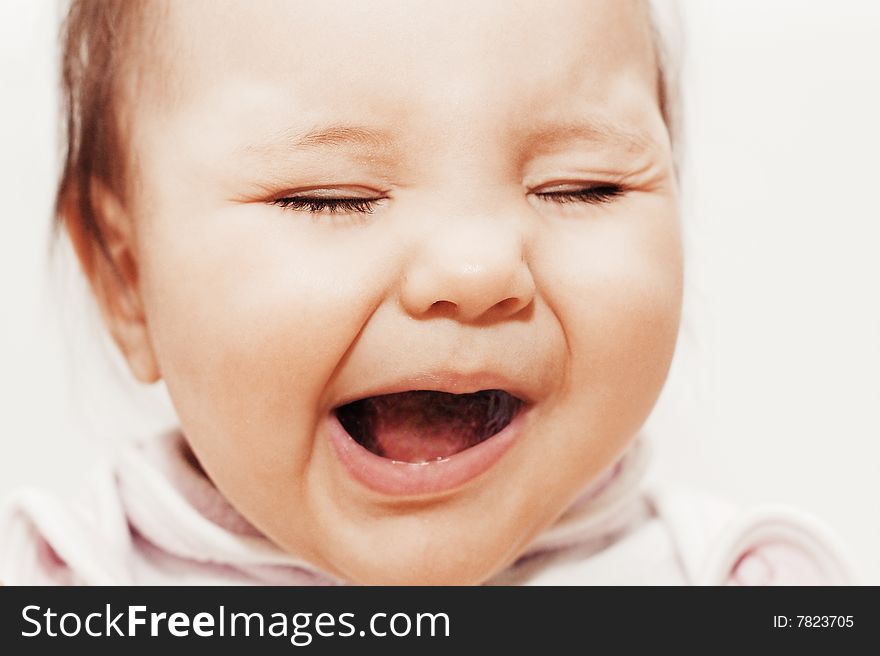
412,274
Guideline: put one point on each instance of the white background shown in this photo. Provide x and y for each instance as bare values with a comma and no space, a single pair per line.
775,392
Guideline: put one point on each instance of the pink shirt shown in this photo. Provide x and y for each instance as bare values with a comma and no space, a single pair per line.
150,516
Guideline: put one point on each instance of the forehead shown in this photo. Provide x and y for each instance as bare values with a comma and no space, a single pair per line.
427,75
416,51
496,31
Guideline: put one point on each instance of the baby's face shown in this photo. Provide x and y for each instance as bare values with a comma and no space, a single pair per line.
342,201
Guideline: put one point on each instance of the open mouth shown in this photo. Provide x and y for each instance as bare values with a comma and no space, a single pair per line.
423,425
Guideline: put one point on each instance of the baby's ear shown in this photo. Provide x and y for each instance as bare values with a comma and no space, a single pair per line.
113,276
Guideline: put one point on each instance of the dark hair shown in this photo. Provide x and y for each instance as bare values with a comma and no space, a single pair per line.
96,40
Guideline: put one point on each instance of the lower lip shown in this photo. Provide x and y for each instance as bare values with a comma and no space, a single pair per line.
392,477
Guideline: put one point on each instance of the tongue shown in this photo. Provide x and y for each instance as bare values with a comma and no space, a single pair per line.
420,426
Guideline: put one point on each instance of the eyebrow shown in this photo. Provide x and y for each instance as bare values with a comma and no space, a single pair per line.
553,135
337,134
543,139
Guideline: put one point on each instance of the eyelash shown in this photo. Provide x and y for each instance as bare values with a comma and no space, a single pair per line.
602,193
316,205
597,195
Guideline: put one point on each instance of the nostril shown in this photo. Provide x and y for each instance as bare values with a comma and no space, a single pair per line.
508,306
443,308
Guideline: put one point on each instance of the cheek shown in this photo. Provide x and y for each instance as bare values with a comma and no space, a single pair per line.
250,313
617,291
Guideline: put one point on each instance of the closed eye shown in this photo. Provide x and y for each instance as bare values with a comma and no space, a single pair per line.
321,205
596,194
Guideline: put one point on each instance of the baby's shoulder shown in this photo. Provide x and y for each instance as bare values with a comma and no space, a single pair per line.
682,536
721,543
49,538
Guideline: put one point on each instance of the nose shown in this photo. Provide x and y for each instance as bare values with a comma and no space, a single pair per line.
472,268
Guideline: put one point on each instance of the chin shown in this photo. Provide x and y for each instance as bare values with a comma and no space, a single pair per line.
422,561
424,573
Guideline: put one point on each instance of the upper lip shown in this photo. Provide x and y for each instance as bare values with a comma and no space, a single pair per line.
446,380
